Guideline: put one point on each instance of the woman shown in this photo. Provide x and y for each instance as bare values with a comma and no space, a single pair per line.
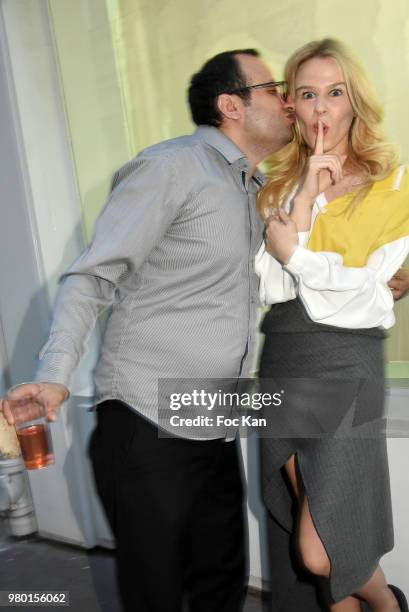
341,233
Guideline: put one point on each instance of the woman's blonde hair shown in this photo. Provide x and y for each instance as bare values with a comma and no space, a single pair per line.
369,153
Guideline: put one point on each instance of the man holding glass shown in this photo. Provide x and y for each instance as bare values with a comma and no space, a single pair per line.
173,255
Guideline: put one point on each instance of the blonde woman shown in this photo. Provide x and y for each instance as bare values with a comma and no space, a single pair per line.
337,210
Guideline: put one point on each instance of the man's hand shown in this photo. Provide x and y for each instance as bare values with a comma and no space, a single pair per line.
399,284
33,400
281,236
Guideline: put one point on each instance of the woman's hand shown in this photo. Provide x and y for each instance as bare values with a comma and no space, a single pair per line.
321,172
281,236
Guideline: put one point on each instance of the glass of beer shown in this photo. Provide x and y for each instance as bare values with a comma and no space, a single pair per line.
36,444
33,433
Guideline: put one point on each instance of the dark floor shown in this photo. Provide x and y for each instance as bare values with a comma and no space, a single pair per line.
36,564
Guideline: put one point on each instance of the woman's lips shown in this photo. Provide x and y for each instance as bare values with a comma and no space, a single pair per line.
315,128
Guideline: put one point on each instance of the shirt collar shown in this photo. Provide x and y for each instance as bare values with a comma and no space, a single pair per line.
226,147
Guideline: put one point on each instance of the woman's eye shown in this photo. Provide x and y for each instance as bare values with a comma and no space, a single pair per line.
307,95
336,92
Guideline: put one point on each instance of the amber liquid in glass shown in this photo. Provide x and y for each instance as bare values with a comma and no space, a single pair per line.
34,446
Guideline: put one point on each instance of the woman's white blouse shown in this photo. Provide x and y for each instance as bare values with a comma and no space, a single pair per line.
332,293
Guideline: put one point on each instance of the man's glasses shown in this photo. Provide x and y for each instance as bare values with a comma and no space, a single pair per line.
277,87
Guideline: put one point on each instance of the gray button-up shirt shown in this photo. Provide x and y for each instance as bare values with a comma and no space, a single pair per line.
173,253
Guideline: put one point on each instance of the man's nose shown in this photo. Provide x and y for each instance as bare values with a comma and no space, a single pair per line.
288,103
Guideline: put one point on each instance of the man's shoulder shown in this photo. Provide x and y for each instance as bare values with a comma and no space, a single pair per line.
170,151
168,148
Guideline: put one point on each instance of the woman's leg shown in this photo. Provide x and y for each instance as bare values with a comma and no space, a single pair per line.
312,553
315,559
377,593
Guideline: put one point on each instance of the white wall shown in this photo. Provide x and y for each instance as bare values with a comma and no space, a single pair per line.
41,230
45,150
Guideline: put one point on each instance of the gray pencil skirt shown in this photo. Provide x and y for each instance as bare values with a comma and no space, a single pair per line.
332,419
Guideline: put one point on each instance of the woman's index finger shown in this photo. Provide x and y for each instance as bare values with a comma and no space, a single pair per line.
319,143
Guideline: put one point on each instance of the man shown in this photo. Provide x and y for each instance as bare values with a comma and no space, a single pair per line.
173,253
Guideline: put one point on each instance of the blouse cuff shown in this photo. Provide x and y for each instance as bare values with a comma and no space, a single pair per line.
301,262
303,238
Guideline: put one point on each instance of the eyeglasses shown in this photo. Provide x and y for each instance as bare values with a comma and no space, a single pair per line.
279,86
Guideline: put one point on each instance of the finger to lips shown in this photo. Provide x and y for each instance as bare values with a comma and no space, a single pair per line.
319,143
319,150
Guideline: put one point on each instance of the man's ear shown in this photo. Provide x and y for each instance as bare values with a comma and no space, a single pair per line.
229,106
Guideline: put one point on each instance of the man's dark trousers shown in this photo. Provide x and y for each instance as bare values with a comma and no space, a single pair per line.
176,509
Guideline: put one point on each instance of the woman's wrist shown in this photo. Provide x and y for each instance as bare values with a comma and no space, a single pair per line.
286,256
303,201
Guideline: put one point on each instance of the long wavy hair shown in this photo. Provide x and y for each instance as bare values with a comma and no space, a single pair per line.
369,155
